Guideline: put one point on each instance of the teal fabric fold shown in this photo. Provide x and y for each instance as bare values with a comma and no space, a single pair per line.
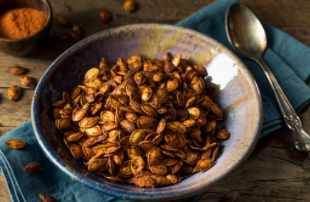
287,58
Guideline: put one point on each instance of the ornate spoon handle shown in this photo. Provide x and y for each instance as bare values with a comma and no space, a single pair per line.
301,138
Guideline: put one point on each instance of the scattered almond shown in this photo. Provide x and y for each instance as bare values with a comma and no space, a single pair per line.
75,37
47,198
14,93
105,16
63,21
230,197
17,70
130,6
15,144
33,168
27,81
78,29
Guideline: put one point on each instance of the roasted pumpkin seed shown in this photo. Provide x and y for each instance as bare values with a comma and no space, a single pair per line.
15,143
144,122
14,93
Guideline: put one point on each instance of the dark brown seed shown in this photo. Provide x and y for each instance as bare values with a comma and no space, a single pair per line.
222,134
190,102
161,126
132,117
17,70
76,151
105,16
27,81
168,67
14,93
15,144
75,37
201,70
146,94
47,198
130,6
182,114
78,29
230,197
167,56
214,153
33,168
158,76
109,126
75,93
127,126
162,110
64,38
63,21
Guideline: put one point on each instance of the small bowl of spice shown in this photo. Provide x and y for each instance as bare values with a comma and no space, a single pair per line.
23,25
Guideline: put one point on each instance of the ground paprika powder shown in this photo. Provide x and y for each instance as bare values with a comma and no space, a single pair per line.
21,22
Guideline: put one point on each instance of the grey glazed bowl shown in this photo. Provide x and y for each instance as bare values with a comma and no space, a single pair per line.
237,95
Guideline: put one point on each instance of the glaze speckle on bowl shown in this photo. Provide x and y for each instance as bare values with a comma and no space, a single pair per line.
236,92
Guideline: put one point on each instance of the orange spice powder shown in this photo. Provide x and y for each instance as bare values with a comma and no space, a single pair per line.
21,23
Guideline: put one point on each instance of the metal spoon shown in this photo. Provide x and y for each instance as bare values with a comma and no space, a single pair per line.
247,36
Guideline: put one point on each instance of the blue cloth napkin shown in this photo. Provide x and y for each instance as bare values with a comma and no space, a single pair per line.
287,58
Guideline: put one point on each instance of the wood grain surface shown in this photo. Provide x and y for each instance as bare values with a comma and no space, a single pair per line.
275,172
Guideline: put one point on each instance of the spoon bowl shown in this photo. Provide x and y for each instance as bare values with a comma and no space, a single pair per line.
247,36
245,32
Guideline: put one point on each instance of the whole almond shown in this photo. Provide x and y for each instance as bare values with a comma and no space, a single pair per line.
33,168
14,93
47,198
105,16
15,143
17,70
27,81
78,29
230,197
130,6
63,21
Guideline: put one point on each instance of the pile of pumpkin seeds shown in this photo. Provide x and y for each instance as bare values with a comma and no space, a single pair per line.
146,122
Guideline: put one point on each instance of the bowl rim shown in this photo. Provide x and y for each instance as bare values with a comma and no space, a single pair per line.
46,25
130,193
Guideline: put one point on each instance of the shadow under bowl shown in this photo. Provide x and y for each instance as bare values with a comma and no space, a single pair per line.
24,46
237,94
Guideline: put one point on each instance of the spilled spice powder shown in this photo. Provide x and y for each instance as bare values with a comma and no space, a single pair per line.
21,23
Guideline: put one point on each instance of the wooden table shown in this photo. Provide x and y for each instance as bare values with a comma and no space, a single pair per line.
275,171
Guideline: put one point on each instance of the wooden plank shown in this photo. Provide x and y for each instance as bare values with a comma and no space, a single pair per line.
269,175
15,113
302,33
4,192
36,67
5,130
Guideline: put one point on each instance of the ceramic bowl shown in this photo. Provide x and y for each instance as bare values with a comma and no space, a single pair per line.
237,94
24,46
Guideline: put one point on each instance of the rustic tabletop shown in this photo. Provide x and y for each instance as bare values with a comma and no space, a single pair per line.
275,171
